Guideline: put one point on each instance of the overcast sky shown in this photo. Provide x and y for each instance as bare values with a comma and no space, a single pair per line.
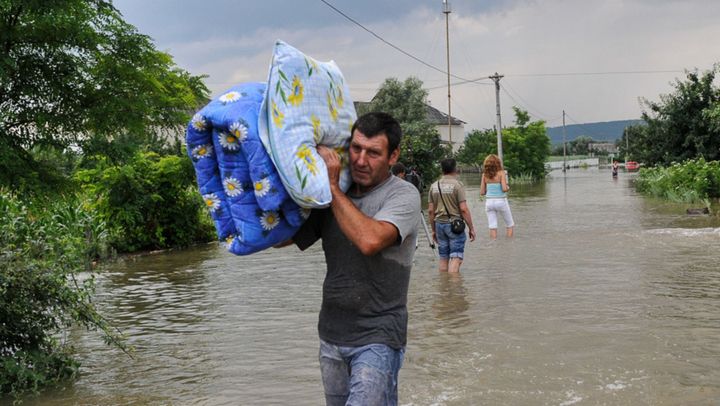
554,54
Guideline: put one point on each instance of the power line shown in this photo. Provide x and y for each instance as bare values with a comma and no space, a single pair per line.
505,87
594,136
636,72
473,81
393,45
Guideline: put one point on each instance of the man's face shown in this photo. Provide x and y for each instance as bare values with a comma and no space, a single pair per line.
369,159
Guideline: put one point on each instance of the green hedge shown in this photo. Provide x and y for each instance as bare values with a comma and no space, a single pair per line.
149,203
691,181
46,284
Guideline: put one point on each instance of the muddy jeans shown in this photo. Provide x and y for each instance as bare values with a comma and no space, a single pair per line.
366,375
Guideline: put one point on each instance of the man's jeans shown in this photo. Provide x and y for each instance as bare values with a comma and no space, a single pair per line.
366,375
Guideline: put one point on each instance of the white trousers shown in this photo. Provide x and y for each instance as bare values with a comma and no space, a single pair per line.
493,206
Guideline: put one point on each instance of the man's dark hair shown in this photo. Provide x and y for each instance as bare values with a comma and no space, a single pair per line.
376,123
398,168
448,165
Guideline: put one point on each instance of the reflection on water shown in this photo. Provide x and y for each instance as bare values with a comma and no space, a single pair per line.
603,297
450,304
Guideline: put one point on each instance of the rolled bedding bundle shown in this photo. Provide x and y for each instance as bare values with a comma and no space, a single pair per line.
238,181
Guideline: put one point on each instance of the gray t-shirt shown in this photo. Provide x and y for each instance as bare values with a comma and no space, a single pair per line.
365,297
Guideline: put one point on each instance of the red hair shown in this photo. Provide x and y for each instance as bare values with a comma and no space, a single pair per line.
491,166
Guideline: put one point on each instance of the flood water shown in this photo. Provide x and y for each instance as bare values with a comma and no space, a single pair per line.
602,297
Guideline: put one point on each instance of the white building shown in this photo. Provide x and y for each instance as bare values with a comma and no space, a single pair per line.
456,128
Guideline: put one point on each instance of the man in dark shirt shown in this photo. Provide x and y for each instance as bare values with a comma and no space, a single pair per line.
368,238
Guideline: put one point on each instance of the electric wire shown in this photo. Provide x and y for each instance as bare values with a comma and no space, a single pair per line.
590,133
386,42
637,72
538,113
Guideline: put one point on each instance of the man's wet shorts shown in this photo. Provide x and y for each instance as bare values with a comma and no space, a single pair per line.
450,245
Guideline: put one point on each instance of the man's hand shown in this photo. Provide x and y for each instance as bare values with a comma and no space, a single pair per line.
332,161
472,234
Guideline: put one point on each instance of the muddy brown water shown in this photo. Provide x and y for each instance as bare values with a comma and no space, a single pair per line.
603,297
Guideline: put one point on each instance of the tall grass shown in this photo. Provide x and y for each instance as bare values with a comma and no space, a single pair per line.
523,179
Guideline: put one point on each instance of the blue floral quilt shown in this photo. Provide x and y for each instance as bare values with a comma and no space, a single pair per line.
237,179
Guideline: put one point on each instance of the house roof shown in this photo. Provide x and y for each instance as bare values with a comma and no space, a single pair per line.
433,115
437,117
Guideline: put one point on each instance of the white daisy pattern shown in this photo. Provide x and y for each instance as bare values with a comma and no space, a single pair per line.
269,220
239,130
202,151
305,213
230,97
262,187
228,141
233,187
212,202
198,122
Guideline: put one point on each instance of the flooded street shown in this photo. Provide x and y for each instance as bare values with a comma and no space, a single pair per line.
602,297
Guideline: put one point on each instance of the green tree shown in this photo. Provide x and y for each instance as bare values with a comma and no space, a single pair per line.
580,145
72,72
526,146
683,125
633,136
478,144
407,102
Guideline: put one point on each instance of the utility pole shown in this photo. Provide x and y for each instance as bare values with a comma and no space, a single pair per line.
627,146
564,151
496,78
446,11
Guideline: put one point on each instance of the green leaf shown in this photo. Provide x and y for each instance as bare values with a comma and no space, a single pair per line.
282,75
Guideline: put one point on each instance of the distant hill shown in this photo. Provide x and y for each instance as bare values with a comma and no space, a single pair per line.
607,131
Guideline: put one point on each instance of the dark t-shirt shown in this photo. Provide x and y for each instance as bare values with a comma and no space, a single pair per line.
365,297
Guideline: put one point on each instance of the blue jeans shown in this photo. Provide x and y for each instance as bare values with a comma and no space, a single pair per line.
366,375
450,245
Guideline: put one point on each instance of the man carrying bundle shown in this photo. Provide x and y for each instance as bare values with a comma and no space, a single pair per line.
368,236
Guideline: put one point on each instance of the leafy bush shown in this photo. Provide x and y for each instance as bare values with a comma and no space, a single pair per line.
692,181
526,147
46,285
149,203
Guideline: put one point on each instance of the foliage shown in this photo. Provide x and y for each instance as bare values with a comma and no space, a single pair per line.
522,179
478,144
682,125
46,285
580,145
72,72
525,147
692,181
420,148
149,203
630,141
